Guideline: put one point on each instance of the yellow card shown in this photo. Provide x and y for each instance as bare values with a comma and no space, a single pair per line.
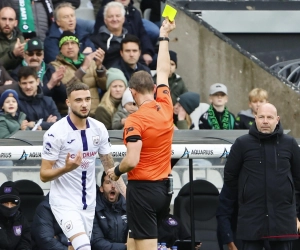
169,12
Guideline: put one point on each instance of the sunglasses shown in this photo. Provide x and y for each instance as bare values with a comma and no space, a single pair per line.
37,53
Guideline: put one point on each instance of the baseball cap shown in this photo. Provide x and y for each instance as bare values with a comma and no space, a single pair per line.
34,44
217,87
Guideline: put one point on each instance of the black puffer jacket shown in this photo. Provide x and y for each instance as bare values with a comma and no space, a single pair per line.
110,224
14,233
44,227
264,168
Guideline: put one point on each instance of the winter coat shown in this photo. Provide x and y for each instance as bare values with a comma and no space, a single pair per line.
37,107
7,57
176,85
58,93
127,70
40,15
9,124
14,233
110,44
4,76
264,170
245,119
92,78
133,24
110,224
118,116
52,40
44,227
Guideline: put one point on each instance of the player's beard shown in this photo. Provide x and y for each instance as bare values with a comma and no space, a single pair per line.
80,115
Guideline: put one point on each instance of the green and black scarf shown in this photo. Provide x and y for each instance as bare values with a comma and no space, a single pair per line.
227,121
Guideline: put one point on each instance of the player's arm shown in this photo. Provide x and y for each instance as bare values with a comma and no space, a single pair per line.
163,58
48,173
129,162
108,163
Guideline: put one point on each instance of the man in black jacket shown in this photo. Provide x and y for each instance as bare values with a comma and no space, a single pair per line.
33,103
263,171
130,52
110,223
14,228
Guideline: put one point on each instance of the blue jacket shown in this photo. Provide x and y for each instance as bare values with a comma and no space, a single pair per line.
38,107
110,224
44,227
133,24
52,40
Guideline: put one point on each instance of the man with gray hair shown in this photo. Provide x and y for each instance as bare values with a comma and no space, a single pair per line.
65,20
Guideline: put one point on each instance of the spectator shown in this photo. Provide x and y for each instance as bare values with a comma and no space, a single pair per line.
132,23
111,232
130,53
40,17
186,104
50,80
87,69
6,81
15,231
116,84
154,5
245,118
217,116
45,232
125,108
10,119
33,103
11,39
177,85
65,20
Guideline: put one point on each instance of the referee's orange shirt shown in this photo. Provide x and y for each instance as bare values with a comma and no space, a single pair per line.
153,122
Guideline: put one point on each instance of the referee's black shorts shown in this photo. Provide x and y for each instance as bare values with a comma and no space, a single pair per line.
146,203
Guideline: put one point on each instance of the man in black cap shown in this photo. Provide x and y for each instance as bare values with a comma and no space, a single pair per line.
14,228
50,79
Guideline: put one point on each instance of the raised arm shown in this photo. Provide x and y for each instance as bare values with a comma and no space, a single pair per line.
163,58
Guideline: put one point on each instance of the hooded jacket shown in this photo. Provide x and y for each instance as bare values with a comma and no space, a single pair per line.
9,124
110,224
133,24
52,40
14,233
245,119
264,170
110,44
37,107
44,227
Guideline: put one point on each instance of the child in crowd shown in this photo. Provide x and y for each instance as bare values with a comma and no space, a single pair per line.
217,116
10,119
126,107
245,118
176,84
186,104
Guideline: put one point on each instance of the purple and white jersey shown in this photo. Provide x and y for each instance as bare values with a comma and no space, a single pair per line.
78,187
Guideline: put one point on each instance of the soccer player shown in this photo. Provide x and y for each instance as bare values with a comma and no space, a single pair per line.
148,137
70,147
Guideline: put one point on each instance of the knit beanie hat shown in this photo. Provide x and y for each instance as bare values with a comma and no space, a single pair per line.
67,36
173,56
127,97
9,193
115,74
8,93
189,101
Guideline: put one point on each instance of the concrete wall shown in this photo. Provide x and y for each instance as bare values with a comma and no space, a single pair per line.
205,56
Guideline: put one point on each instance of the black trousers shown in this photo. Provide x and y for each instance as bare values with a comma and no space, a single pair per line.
268,245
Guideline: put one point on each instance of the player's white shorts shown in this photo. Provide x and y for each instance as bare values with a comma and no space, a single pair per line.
73,221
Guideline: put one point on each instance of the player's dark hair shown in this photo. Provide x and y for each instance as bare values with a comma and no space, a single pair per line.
142,82
75,87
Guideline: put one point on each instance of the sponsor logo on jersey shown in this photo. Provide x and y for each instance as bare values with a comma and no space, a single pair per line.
17,230
5,155
84,155
96,140
68,226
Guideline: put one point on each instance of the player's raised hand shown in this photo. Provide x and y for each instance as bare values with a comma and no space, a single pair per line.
72,164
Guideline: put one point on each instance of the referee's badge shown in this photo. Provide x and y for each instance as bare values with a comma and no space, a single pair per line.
96,140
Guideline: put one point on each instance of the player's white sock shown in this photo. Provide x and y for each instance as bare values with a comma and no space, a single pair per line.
81,242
